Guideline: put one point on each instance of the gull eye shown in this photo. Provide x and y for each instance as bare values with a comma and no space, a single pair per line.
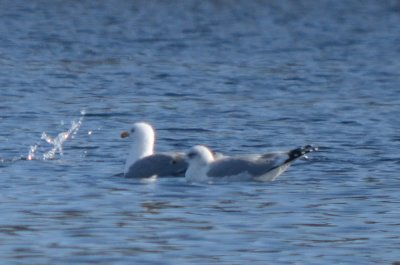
173,162
132,130
191,154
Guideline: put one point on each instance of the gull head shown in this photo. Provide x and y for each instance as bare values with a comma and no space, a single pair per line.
199,154
139,131
199,158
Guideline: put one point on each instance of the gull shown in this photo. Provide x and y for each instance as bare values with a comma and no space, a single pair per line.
142,162
203,167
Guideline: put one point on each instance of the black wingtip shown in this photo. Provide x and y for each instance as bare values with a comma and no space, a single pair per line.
301,151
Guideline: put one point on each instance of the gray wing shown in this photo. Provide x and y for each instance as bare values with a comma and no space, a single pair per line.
270,165
254,165
161,165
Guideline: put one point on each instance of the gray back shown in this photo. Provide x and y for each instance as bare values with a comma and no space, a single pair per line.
162,165
233,166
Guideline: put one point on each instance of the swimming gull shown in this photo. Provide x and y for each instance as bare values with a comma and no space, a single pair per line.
263,167
142,162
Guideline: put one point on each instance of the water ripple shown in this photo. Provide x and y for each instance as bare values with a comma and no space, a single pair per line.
243,78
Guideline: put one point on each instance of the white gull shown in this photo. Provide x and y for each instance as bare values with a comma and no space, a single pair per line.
142,162
203,167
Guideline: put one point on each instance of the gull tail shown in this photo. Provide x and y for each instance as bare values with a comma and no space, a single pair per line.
294,154
300,152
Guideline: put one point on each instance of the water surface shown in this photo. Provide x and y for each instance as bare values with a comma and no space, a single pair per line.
240,77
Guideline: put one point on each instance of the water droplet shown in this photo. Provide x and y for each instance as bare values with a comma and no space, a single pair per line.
57,142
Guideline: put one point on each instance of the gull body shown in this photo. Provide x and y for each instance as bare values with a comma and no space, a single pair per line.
263,167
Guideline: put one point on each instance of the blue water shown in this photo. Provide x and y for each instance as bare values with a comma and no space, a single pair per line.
238,76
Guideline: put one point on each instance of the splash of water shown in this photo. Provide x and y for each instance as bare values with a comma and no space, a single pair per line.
32,151
58,141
